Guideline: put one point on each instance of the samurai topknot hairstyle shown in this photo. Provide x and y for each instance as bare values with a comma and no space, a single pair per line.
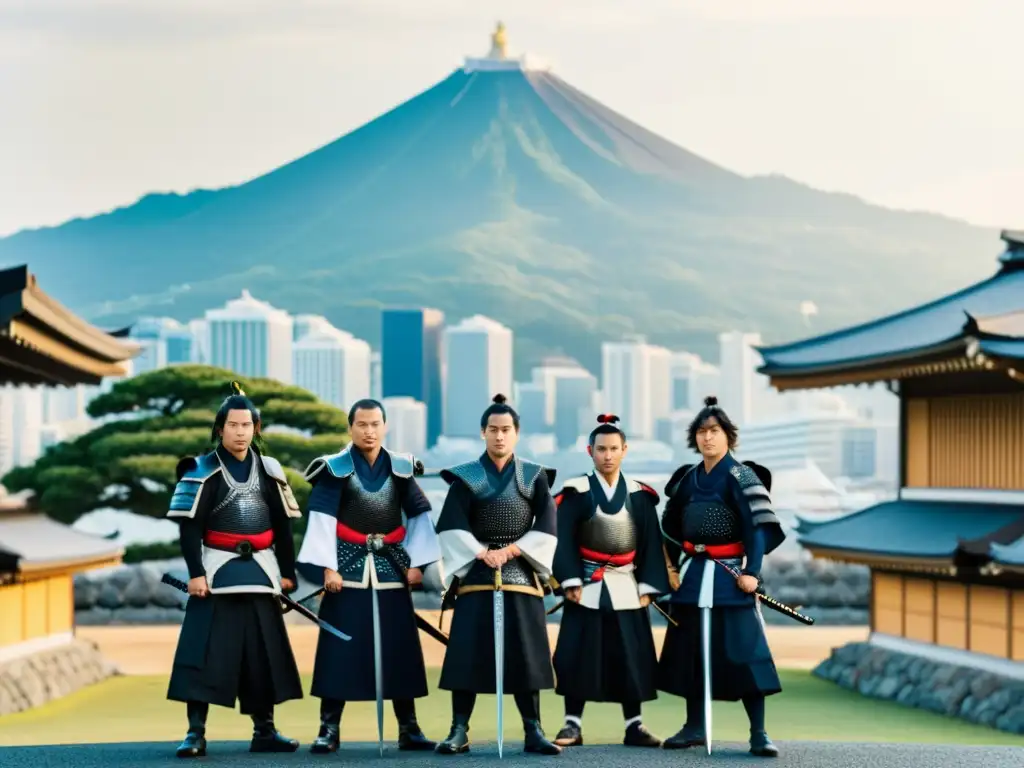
499,405
711,410
236,401
606,426
366,404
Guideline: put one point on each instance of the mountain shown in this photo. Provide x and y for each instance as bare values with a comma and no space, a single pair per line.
505,191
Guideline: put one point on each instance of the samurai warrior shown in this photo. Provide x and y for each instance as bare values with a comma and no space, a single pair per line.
369,536
609,564
497,536
718,525
235,509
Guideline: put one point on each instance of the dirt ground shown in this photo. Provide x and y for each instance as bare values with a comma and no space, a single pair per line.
149,650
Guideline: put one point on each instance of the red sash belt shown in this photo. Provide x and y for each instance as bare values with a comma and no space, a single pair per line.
734,549
230,541
352,536
605,560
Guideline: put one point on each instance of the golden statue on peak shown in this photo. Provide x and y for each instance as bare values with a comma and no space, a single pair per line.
498,42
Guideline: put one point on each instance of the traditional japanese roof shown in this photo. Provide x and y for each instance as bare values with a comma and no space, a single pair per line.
1009,557
32,544
42,342
906,533
979,327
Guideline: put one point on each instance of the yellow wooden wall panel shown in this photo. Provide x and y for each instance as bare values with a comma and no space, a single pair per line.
919,599
973,441
12,614
61,600
918,445
951,607
36,609
989,609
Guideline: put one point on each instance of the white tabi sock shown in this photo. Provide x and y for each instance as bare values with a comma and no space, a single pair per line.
577,721
632,720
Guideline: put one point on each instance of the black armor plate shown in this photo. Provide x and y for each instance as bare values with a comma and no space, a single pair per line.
710,523
371,511
609,534
244,509
497,522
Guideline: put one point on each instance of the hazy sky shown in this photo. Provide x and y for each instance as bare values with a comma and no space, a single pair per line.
909,103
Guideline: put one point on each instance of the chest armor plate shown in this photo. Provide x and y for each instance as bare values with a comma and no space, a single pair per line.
710,522
609,534
502,519
244,508
371,511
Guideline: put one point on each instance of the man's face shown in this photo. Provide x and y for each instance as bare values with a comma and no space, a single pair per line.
607,453
501,435
238,430
368,429
711,439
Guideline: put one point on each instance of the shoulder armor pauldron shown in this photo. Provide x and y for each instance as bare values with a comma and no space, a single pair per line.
677,479
472,473
745,476
527,473
579,484
274,469
192,472
338,465
635,486
402,464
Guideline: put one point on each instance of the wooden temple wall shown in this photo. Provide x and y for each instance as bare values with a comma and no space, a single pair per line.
965,441
36,608
971,617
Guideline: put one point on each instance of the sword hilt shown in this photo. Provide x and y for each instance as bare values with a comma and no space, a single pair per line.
178,584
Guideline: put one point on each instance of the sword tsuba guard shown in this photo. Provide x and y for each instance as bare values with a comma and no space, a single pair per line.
244,550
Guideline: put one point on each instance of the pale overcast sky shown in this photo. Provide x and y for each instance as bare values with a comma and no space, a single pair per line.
909,103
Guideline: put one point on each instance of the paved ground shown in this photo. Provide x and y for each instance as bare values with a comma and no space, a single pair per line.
148,650
798,754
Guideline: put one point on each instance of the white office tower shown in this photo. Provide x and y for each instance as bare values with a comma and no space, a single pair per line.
164,342
7,456
530,401
305,325
693,379
738,361
375,376
63,404
478,362
637,385
26,418
200,341
251,338
822,438
407,425
333,365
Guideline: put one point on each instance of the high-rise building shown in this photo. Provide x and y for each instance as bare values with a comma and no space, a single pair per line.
478,361
200,340
164,342
375,370
576,407
530,402
692,380
304,325
637,384
740,383
411,361
407,425
333,365
251,338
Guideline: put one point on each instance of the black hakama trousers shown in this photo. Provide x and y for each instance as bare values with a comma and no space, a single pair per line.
741,661
234,647
605,655
344,671
469,659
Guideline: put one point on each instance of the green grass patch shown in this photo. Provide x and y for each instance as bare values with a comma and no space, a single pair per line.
135,709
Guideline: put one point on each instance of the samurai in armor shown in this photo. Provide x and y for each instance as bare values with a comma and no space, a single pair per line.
718,525
369,529
609,563
235,510
497,536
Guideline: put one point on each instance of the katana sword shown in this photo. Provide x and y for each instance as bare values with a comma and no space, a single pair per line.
770,601
378,669
705,631
425,626
499,655
300,609
561,603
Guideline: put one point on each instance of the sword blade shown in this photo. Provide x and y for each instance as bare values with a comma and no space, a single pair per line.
499,657
705,631
378,672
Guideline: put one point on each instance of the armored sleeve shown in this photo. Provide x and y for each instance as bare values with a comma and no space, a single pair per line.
538,544
568,567
420,542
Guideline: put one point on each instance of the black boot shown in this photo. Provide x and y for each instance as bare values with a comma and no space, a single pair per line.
571,735
638,736
265,737
536,741
692,733
410,737
761,745
194,744
328,739
458,737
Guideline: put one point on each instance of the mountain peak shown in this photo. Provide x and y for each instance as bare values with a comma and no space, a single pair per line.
499,60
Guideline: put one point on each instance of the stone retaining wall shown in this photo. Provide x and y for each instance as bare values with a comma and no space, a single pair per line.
956,691
833,594
35,679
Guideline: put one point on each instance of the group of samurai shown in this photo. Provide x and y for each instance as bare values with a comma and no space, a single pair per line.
506,537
